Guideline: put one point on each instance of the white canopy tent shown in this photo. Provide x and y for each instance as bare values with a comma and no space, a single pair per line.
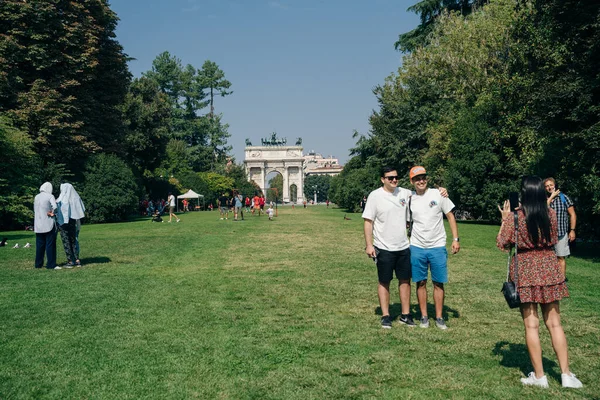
190,194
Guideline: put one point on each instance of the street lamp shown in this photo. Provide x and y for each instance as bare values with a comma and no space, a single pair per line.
315,188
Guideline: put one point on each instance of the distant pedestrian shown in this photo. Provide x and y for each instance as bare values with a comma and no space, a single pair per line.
224,206
262,204
237,199
171,201
256,203
44,207
270,212
247,204
185,205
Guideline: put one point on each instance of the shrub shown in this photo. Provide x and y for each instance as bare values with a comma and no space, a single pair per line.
109,192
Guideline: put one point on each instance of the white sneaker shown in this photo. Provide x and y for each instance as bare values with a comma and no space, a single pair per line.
27,246
531,380
570,381
16,246
57,267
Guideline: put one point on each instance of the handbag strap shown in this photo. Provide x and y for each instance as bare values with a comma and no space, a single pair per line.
510,253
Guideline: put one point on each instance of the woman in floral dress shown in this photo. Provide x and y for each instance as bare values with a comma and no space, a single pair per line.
540,280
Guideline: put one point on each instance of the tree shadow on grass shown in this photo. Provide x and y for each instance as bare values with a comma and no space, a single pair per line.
19,236
515,355
396,310
586,251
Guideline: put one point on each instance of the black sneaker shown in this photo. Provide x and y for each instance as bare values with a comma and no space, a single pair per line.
407,319
386,322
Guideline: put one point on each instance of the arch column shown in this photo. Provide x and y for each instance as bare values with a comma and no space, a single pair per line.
262,180
286,185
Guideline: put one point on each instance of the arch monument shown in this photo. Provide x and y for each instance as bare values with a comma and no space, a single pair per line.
274,155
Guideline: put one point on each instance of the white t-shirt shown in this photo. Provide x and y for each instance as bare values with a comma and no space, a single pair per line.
172,201
389,213
427,212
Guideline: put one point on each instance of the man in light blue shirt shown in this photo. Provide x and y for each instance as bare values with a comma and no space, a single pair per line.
44,207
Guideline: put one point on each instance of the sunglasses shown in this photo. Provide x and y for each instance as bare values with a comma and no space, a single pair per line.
391,178
419,178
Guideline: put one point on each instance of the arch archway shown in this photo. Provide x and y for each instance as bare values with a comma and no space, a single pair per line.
286,160
293,193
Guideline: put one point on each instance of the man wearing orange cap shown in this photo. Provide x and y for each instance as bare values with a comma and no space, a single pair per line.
428,243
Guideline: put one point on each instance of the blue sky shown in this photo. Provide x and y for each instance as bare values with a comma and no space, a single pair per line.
302,68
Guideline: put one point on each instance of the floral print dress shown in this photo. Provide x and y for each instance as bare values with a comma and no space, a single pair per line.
540,279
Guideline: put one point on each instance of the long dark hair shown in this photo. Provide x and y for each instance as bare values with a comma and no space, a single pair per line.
533,202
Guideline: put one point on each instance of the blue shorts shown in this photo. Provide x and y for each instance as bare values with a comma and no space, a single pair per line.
435,258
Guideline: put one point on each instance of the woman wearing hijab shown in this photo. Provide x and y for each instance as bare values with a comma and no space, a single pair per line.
44,207
540,279
71,211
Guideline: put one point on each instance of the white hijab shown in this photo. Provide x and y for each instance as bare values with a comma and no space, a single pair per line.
46,188
70,204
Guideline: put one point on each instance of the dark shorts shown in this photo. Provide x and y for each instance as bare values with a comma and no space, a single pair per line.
389,262
262,206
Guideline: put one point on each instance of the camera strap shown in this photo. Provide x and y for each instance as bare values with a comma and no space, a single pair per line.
509,254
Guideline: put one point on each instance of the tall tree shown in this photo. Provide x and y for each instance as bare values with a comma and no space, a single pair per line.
18,181
212,78
429,11
147,117
205,135
63,76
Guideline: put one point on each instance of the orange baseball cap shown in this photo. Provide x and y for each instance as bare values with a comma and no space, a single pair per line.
416,171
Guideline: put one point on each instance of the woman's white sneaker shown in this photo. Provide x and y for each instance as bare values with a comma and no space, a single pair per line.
531,380
570,381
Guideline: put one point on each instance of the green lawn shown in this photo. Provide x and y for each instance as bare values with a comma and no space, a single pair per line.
283,309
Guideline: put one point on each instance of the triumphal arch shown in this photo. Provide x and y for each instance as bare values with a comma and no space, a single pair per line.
274,155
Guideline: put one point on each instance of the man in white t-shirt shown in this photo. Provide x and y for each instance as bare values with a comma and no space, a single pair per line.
385,216
428,243
171,201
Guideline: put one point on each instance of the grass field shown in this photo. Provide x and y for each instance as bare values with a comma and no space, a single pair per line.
285,309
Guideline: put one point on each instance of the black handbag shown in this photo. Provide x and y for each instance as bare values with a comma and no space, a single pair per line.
510,288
